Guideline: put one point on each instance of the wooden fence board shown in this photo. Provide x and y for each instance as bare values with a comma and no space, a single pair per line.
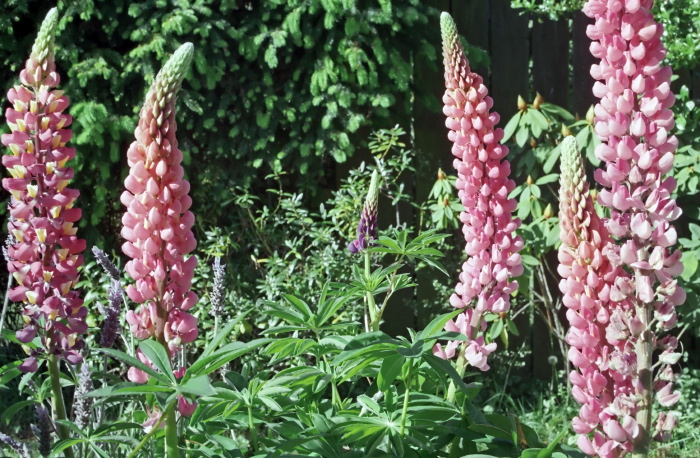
510,57
550,60
582,60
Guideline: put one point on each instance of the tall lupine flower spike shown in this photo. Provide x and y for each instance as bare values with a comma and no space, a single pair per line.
158,223
600,385
633,120
46,256
367,228
483,186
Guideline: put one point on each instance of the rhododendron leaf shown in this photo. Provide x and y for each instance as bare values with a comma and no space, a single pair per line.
550,178
551,109
538,119
9,412
509,129
552,159
158,356
522,136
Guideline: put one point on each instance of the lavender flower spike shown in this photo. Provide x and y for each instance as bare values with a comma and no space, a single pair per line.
19,448
82,404
217,292
367,229
106,264
110,325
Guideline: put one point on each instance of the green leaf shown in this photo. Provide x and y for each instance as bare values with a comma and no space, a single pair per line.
509,130
690,264
522,136
437,325
299,305
391,368
198,386
552,177
552,159
131,361
530,260
443,366
225,354
538,119
158,356
225,331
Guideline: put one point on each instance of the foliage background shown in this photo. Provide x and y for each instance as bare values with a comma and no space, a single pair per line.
278,108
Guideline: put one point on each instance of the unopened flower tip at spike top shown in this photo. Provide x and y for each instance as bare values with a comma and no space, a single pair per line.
367,227
483,185
46,253
634,120
158,223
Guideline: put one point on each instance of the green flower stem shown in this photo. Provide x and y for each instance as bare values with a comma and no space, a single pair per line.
389,292
404,412
253,431
461,367
59,405
171,437
371,305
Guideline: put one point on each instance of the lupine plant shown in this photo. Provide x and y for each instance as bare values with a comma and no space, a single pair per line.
483,186
325,384
619,280
46,255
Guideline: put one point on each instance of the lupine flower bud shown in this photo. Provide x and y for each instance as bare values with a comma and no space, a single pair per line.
367,228
46,255
158,223
633,120
483,187
81,403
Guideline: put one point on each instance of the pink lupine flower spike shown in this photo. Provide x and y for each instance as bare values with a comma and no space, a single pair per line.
633,120
492,247
158,223
46,254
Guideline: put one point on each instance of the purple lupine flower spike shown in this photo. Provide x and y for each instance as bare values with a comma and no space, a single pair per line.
47,253
367,228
